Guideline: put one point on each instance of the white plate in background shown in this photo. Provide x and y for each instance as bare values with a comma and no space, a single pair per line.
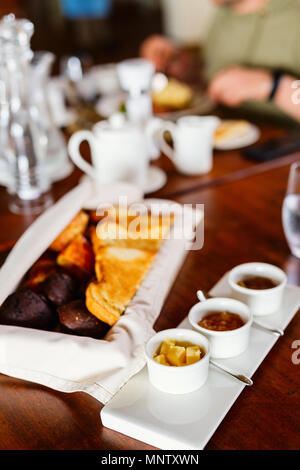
250,137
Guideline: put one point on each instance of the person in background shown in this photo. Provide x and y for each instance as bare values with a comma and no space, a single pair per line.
252,55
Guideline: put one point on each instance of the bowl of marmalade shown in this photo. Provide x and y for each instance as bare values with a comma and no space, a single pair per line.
225,323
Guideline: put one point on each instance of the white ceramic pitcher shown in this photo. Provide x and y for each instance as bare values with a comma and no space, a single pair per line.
118,152
193,143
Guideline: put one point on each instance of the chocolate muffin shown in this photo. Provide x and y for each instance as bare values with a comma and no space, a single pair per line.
28,309
60,288
77,320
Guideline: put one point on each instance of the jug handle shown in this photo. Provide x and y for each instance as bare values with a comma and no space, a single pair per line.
164,147
74,143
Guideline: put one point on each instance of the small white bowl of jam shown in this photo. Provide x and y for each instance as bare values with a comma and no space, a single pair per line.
225,322
259,285
177,360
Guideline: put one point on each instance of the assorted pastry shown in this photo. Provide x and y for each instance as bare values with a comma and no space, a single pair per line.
174,96
231,129
83,283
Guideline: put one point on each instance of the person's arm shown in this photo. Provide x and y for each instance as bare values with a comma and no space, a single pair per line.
159,50
287,98
235,85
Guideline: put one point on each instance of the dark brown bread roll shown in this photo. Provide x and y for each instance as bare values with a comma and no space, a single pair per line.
60,288
29,309
77,320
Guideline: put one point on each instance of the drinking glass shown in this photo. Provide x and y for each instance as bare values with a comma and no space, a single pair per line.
291,210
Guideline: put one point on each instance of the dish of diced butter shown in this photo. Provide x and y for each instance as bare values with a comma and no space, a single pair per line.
178,353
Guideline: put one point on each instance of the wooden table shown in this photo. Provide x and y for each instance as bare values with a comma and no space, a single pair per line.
242,223
228,166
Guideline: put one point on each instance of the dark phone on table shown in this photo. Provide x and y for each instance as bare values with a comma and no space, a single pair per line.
273,148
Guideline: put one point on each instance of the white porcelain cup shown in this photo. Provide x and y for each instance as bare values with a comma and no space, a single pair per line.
177,380
193,143
264,301
223,344
119,153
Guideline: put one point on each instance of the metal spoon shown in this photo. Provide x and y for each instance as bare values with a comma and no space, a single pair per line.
275,331
240,377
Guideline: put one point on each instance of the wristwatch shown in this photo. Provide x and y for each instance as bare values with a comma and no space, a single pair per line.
277,74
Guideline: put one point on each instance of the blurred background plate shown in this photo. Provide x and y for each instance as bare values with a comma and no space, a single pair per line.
201,104
250,137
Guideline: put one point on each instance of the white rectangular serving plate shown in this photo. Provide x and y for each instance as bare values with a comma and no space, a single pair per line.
188,421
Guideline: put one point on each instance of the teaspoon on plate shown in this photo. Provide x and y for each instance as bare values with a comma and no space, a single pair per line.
242,378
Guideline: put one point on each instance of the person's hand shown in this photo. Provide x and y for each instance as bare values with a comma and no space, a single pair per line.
234,85
158,50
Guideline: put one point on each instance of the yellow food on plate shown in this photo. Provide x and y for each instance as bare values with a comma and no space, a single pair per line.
177,353
175,95
230,129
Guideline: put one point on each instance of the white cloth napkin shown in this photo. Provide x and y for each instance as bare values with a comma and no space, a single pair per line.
72,363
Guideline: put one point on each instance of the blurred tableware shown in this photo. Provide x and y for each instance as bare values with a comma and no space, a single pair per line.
156,178
177,380
261,302
99,80
223,344
110,104
193,143
291,210
71,70
101,193
201,104
231,135
135,77
25,145
56,163
153,125
118,150
56,89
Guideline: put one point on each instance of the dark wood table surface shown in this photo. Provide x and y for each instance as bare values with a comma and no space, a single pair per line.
242,223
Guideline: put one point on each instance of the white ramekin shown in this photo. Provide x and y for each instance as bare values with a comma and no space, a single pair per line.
177,380
223,343
261,302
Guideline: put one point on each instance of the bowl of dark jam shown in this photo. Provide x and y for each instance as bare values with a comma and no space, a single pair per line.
259,285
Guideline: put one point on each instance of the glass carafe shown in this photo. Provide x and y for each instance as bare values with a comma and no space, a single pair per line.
23,143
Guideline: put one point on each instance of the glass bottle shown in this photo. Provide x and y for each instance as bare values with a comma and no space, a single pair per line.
25,144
